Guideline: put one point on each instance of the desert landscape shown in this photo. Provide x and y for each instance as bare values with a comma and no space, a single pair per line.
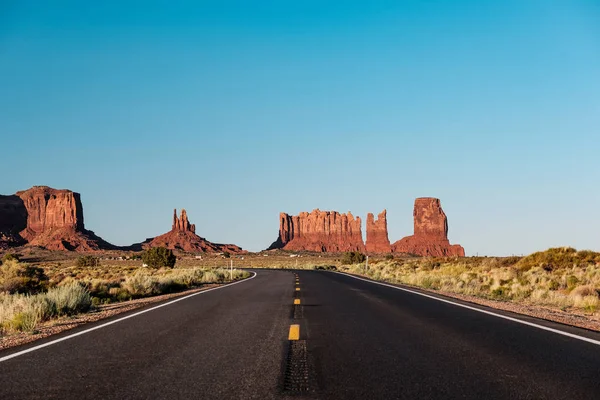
299,200
47,253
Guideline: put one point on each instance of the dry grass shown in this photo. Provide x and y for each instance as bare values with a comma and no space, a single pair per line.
573,281
74,289
23,312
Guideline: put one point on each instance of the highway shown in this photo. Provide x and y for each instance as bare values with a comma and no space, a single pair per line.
352,339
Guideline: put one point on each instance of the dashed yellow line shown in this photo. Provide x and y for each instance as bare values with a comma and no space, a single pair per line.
296,301
294,332
297,289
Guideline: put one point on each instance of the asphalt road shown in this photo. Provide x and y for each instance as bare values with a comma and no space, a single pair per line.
358,340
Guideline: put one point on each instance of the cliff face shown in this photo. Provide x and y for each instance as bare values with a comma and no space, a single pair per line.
51,209
48,218
13,219
430,232
377,234
329,231
182,236
321,231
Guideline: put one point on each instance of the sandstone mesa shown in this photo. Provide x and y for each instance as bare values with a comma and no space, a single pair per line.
47,218
320,231
329,231
52,219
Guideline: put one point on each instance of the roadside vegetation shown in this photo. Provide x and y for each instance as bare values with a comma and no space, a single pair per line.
31,295
560,277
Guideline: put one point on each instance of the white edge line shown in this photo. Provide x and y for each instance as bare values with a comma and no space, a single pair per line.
41,346
571,335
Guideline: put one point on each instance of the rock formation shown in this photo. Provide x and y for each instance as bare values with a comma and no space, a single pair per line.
182,224
13,219
183,237
48,218
377,234
430,236
321,231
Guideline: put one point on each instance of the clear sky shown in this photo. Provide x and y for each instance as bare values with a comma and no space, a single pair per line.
237,110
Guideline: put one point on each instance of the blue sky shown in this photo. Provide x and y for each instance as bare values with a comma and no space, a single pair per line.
239,110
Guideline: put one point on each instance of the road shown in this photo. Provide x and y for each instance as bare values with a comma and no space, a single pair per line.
358,340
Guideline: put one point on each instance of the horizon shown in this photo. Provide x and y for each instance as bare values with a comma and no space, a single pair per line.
238,112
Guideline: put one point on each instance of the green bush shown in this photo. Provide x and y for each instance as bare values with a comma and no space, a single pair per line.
88,261
158,257
353,257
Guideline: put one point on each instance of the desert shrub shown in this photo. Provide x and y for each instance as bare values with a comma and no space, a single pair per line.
9,257
70,299
558,258
22,278
210,277
24,321
389,257
88,261
158,257
140,284
19,312
353,257
119,294
170,286
572,282
226,254
325,267
429,265
500,293
553,285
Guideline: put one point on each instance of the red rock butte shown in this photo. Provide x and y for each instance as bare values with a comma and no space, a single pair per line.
377,234
182,236
319,231
48,218
329,231
430,236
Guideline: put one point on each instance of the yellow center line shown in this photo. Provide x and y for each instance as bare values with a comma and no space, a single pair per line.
296,301
297,289
294,332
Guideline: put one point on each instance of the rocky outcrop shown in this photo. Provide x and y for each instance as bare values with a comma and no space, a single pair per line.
329,231
182,224
430,236
48,218
13,219
320,231
183,237
51,209
377,234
